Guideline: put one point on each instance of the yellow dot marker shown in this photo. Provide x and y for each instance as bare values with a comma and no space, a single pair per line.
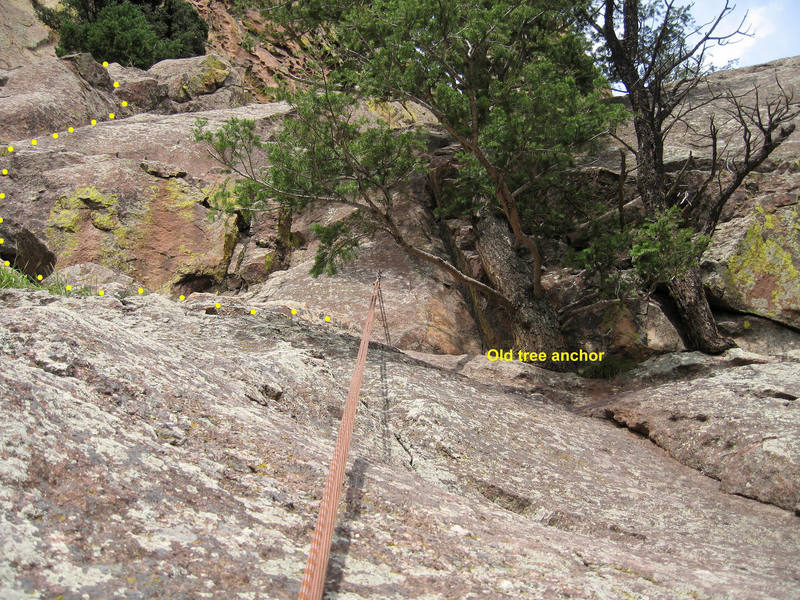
34,142
141,290
111,115
1,219
68,288
124,103
218,305
294,311
5,171
39,278
71,129
253,311
94,122
181,297
2,196
7,263
101,293
11,148
327,319
105,64
55,136
116,84
2,241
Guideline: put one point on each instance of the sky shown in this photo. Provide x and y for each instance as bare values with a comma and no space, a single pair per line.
775,26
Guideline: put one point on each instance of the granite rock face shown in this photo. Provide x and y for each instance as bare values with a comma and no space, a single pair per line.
129,194
23,38
157,449
740,426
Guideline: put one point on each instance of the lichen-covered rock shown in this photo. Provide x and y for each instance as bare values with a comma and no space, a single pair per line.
129,194
192,79
753,264
153,450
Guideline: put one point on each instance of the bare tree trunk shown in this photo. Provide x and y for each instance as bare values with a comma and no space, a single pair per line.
535,324
623,175
700,326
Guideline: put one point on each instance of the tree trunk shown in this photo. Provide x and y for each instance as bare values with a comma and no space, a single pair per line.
700,326
535,325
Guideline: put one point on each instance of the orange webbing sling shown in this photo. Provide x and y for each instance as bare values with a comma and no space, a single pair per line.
314,579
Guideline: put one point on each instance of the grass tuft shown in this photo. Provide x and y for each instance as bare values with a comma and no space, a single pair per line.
12,278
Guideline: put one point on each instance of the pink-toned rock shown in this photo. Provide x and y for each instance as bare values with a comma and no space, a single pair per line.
23,38
634,329
129,194
739,426
159,449
45,97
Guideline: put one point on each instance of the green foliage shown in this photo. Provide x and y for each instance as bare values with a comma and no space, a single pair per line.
323,153
602,258
664,249
180,28
247,42
511,81
133,33
337,244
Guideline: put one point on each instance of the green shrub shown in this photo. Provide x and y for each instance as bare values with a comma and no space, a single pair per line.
663,248
121,34
132,33
602,259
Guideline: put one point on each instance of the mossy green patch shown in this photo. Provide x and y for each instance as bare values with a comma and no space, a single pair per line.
211,75
765,265
393,116
269,261
104,221
95,199
64,223
183,198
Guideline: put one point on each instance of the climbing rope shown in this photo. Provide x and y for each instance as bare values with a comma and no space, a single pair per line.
314,578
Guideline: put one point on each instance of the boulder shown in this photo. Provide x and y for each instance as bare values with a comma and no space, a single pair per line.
152,448
23,38
753,264
759,335
634,329
48,96
425,310
205,82
138,87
